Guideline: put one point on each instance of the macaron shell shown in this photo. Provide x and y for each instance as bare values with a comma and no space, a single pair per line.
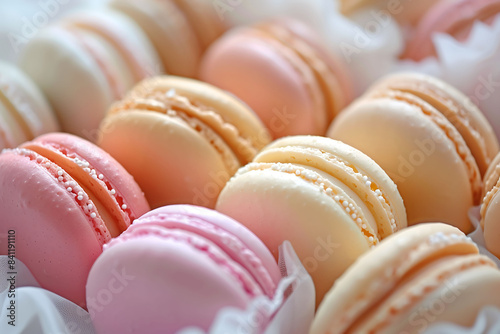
169,31
490,212
125,37
230,108
294,105
347,161
171,162
375,273
189,287
219,221
270,205
415,153
203,18
455,106
80,105
59,261
28,101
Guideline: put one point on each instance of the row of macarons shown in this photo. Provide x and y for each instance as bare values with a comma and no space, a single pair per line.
89,59
86,232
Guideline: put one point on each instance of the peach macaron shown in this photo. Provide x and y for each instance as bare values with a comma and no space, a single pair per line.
181,139
280,69
429,137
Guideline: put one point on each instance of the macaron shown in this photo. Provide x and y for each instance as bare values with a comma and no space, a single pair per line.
405,12
65,198
24,111
422,275
281,71
455,18
180,30
85,62
181,139
429,137
332,202
490,207
194,261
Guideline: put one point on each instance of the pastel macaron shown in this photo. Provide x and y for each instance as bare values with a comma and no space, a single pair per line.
280,69
65,198
180,265
422,275
404,12
455,18
429,137
85,62
490,206
24,111
332,202
181,139
180,30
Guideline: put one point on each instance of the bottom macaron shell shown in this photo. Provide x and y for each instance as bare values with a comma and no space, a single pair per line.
53,237
170,161
278,207
155,285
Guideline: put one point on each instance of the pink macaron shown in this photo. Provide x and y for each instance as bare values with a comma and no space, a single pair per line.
281,70
65,198
453,17
175,267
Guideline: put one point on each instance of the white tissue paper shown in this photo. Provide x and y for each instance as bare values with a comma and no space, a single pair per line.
40,311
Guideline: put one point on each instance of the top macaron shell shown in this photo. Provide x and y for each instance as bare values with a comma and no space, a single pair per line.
24,111
290,81
173,253
94,64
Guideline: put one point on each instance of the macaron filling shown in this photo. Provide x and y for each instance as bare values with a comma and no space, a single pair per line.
204,246
108,202
227,242
326,186
67,183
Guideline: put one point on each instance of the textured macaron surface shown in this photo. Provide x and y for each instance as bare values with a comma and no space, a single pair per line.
190,135
193,259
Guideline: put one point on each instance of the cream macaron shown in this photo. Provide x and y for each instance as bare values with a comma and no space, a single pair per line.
181,139
331,201
490,207
24,111
180,30
282,71
85,62
422,275
429,137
